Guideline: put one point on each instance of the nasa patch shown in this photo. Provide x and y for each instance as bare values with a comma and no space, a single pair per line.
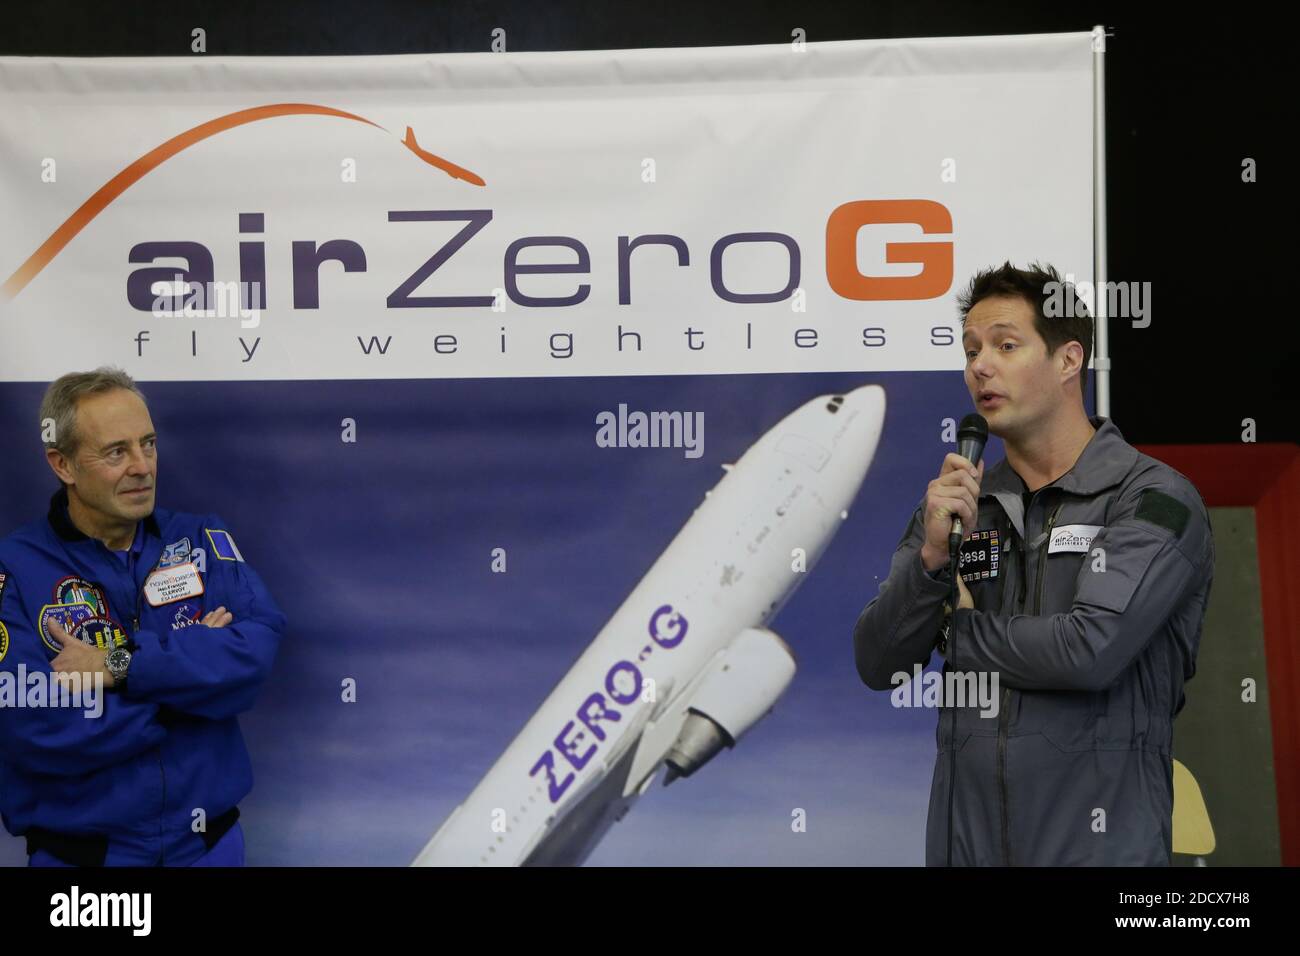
980,554
187,614
4,640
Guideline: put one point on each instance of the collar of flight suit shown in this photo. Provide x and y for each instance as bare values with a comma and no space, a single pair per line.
1102,464
65,529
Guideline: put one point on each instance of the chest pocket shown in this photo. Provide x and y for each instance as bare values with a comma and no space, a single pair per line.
1065,553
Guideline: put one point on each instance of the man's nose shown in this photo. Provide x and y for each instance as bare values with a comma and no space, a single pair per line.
139,464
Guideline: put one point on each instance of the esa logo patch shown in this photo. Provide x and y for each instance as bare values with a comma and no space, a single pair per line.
178,552
980,555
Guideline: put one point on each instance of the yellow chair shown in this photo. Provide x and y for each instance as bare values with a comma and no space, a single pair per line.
1193,833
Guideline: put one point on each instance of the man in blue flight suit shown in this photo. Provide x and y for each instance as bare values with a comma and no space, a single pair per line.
1082,588
158,605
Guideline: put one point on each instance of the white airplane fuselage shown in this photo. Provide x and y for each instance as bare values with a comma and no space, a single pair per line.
686,664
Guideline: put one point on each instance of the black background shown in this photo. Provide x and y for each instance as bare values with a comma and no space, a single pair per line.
1187,99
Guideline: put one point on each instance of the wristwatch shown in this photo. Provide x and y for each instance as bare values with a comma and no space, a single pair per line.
117,661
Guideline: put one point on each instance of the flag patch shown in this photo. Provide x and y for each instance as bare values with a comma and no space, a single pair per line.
223,546
1164,510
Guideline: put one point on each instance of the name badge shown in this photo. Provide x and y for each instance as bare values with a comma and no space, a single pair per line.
1073,537
980,555
168,585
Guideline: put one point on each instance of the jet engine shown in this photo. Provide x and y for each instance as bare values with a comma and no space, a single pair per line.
742,686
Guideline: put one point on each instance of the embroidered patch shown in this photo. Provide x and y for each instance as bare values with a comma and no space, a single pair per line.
4,640
1073,537
100,632
1164,510
223,546
187,614
175,553
980,555
75,590
68,615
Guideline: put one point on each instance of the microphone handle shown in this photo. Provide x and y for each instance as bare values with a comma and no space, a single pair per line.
972,452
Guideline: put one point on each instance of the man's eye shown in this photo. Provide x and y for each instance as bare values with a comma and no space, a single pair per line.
969,353
1012,344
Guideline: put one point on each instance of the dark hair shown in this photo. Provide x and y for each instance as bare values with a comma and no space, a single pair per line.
1060,316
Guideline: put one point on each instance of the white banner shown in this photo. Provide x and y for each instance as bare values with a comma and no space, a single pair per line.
627,212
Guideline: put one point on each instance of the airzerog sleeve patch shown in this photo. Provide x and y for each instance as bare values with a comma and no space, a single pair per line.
1164,510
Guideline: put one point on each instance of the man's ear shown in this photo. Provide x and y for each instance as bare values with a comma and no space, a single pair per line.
1070,355
61,465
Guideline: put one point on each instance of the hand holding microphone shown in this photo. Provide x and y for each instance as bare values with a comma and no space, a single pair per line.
953,497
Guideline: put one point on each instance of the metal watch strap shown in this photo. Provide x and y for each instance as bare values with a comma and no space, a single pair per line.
119,680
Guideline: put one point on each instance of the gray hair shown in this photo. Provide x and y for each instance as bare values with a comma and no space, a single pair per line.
59,406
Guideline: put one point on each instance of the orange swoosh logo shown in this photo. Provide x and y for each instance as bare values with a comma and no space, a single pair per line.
132,174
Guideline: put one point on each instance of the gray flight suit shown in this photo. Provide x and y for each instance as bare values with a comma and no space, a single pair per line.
1091,623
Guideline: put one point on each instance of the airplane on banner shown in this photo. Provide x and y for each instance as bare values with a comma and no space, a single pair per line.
686,666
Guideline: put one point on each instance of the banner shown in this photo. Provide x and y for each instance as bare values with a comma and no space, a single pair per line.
339,279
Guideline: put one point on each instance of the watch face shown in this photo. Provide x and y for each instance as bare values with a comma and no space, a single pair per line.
117,660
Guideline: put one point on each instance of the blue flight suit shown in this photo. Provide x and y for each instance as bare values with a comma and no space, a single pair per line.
129,786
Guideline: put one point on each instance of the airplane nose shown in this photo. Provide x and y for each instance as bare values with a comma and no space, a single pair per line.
868,398
869,402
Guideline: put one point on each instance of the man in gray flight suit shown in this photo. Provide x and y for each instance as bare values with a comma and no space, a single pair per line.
1083,587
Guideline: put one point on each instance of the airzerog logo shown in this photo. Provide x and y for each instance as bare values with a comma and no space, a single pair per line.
137,170
843,228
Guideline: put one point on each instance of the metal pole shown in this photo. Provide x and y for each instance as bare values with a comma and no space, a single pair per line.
1101,337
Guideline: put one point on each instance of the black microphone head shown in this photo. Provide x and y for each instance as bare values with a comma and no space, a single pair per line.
972,436
973,427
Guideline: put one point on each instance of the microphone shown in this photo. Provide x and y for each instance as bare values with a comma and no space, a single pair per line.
972,435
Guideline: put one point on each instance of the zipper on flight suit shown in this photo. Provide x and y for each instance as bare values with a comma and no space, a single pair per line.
1004,717
135,628
1004,713
162,773
1042,557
